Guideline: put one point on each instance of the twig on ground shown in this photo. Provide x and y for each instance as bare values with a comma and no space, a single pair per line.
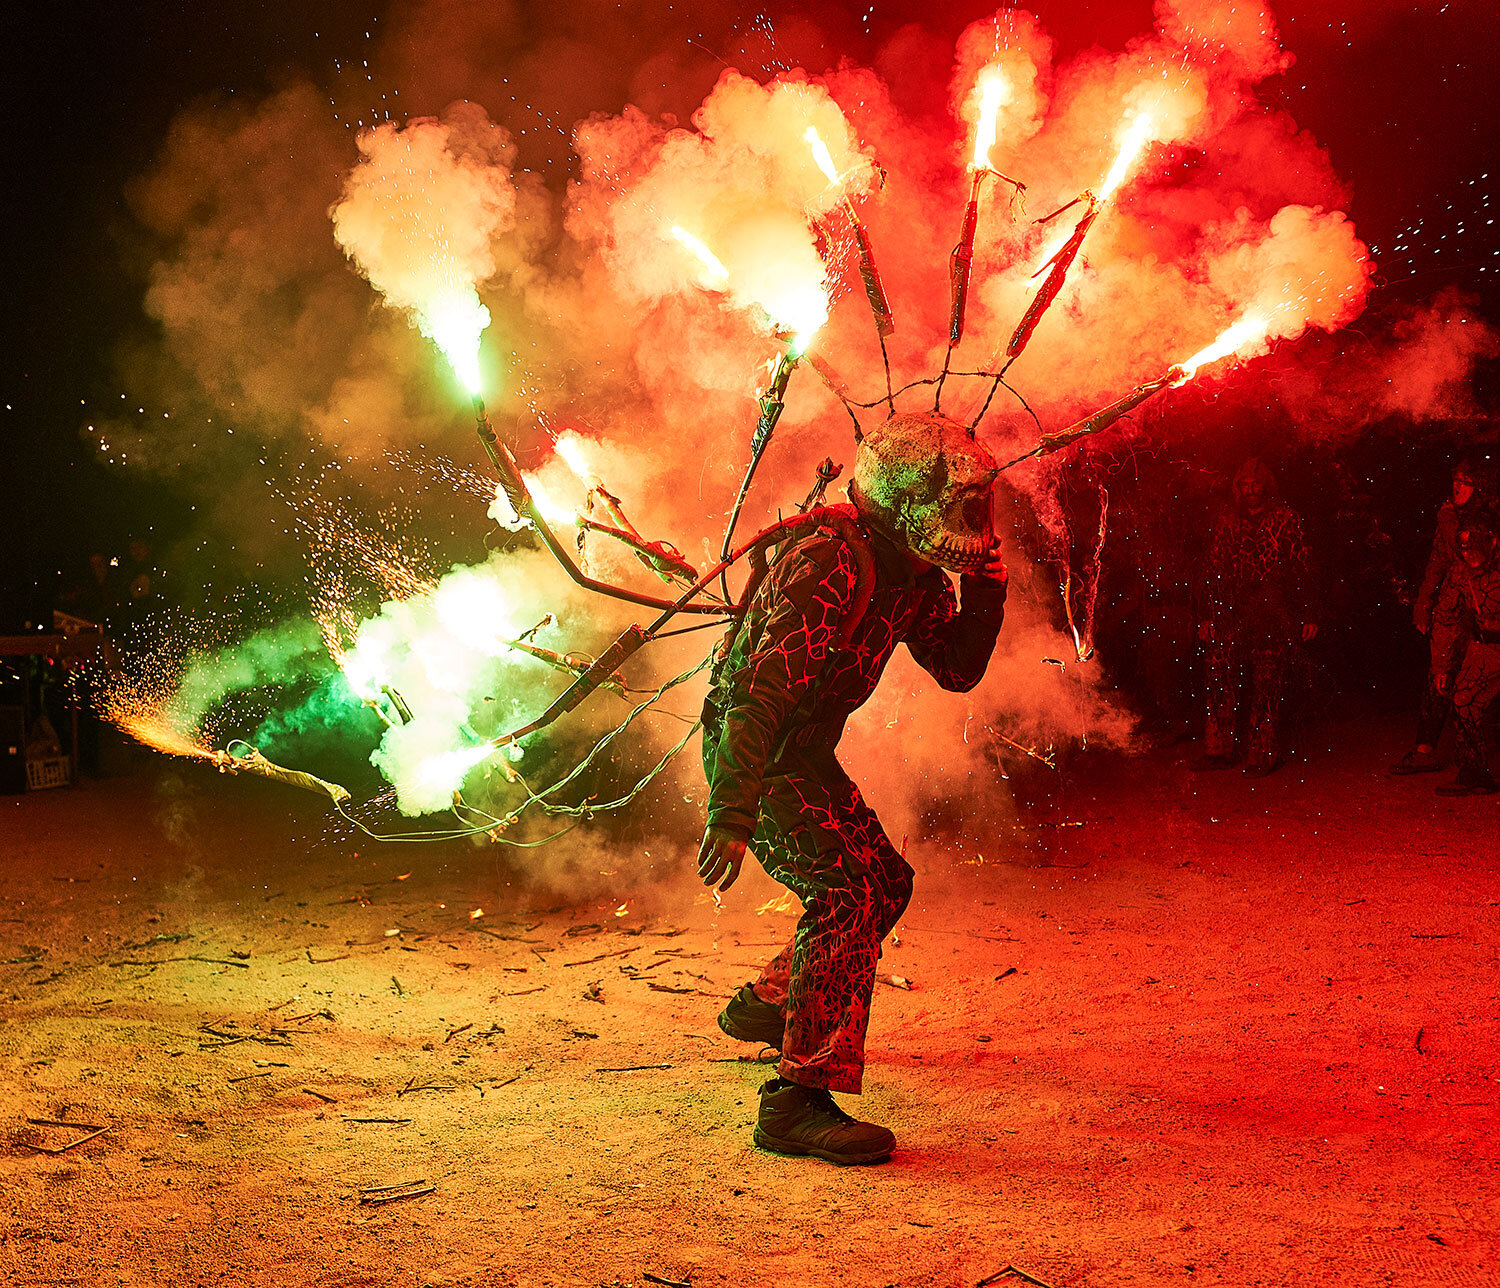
63,1122
348,1119
397,1185
521,992
375,1200
619,952
666,1283
323,961
245,1077
462,1028
633,1068
318,1095
63,1149
1012,1270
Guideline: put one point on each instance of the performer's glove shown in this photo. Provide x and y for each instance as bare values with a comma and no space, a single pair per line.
720,855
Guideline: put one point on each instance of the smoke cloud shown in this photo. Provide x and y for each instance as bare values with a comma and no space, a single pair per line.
605,324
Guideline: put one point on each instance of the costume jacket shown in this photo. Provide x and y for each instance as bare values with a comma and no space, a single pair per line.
781,689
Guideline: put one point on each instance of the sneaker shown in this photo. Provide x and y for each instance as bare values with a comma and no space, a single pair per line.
751,1020
806,1121
1416,762
1470,782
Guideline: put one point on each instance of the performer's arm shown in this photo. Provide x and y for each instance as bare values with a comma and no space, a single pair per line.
952,639
1304,588
1217,574
803,602
1439,561
1447,630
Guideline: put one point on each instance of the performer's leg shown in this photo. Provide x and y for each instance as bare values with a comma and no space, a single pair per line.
1268,669
818,838
1222,684
1476,688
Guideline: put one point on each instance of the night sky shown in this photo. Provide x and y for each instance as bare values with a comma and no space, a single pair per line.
1402,95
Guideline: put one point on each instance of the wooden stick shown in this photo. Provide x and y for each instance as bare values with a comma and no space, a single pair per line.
60,1122
375,1200
348,1119
603,956
63,1149
384,1189
327,1100
633,1068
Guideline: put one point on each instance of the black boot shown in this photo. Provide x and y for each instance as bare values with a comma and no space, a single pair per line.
804,1120
1470,782
751,1020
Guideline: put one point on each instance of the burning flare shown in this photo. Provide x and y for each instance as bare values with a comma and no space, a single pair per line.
718,275
418,220
1249,330
821,154
992,89
1134,138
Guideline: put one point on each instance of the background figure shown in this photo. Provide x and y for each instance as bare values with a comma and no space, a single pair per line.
1259,605
1466,650
1463,502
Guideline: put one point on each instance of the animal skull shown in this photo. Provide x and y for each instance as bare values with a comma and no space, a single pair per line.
924,481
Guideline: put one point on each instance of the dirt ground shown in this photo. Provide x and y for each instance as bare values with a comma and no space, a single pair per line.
1175,1030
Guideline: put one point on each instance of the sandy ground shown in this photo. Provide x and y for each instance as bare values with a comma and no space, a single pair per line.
1176,1030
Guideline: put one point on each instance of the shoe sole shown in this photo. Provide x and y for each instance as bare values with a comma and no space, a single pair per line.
742,1035
794,1150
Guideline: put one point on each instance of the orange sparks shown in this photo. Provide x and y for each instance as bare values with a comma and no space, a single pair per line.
1133,141
1250,329
152,729
991,89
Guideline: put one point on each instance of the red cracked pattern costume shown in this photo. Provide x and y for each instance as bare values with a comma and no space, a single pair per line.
1466,645
780,698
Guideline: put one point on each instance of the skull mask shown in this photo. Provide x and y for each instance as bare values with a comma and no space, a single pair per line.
923,481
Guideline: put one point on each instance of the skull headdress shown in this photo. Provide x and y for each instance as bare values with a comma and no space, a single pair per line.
924,481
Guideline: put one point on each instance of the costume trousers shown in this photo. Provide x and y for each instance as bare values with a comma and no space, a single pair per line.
1259,667
816,836
1476,689
1433,714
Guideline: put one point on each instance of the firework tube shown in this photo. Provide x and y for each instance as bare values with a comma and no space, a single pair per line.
252,762
1101,419
554,659
841,518
1059,264
885,320
661,558
961,261
519,496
